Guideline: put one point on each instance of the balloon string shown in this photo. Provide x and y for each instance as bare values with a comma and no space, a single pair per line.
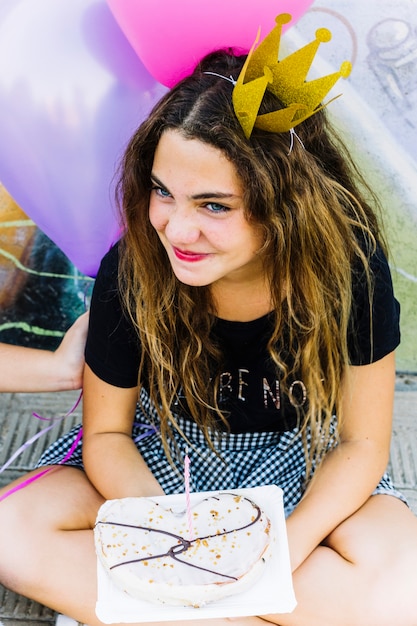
187,495
72,409
27,482
26,445
31,479
29,442
150,430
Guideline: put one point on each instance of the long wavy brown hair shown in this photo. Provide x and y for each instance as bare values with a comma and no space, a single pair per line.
320,231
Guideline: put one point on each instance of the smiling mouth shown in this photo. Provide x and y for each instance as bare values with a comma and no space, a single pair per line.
191,257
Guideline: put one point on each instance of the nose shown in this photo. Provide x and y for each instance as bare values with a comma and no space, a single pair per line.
182,226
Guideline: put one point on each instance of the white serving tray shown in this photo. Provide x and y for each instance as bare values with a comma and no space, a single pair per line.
272,593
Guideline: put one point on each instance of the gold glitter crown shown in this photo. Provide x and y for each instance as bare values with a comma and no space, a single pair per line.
286,79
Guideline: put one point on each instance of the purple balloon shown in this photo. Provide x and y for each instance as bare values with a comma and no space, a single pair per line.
72,91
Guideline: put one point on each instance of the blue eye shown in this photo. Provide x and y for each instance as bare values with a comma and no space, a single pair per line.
160,191
215,207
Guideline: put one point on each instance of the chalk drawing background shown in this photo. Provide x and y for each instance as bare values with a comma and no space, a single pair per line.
377,115
41,292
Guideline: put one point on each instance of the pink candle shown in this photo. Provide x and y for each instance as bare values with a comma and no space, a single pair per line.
187,495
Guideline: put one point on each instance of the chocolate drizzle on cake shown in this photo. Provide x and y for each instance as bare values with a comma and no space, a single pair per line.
181,544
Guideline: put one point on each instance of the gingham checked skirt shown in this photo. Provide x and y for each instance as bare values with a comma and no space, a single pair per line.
245,459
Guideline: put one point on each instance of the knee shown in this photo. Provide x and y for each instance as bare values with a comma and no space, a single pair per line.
15,532
382,547
392,591
13,517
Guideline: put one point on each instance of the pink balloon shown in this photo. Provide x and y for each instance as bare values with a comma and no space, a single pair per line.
171,36
72,91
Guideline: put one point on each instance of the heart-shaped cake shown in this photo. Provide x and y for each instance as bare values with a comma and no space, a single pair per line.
215,549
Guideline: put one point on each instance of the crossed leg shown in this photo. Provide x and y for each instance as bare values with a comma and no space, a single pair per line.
365,574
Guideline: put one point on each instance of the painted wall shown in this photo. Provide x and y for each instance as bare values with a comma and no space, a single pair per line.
41,292
377,115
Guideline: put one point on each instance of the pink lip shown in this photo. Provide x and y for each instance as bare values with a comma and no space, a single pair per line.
191,257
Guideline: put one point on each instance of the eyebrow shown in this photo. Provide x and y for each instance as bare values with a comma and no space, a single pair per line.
218,195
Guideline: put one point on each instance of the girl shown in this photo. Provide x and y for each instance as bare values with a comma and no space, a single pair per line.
248,303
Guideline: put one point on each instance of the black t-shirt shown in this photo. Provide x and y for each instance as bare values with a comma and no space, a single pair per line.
250,393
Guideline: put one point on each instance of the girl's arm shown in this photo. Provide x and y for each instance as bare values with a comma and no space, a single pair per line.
32,370
350,473
111,459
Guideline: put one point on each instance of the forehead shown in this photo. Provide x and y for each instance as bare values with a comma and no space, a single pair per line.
180,160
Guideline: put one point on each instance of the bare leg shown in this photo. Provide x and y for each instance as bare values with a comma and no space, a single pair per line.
47,547
46,541
365,575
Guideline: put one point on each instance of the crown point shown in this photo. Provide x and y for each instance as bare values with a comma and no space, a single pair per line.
283,18
345,69
323,35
